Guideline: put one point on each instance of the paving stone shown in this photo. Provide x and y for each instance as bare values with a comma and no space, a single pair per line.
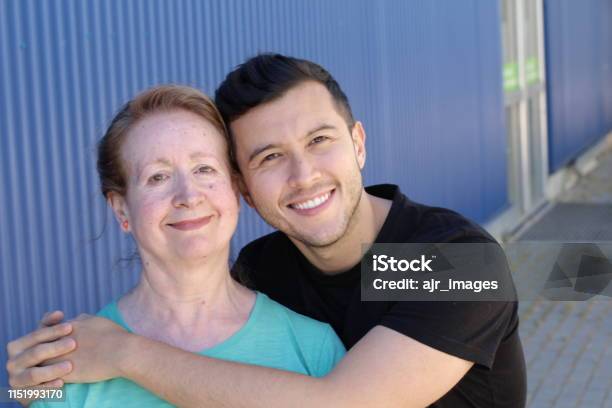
568,344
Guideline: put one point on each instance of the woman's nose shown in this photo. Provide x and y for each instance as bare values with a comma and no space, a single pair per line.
188,194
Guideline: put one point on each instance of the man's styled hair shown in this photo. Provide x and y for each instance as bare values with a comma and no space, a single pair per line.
267,77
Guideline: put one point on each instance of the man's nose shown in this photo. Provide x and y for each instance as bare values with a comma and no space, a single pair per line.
303,172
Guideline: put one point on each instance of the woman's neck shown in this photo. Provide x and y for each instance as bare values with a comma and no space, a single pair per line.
189,306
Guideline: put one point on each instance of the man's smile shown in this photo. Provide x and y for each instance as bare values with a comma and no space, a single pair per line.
312,205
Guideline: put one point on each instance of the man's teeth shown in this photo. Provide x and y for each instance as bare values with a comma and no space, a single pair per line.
315,202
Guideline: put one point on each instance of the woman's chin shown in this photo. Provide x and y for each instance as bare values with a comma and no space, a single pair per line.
197,251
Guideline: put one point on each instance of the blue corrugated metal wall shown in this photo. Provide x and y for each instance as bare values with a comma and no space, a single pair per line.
424,76
579,71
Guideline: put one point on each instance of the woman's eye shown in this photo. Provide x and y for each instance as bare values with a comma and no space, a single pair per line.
157,178
205,169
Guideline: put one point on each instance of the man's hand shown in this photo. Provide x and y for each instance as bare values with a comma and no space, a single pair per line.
27,355
100,344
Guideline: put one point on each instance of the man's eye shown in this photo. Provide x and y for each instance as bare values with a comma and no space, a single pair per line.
157,178
270,157
318,139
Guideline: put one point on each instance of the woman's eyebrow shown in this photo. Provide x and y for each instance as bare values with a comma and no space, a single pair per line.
142,166
201,155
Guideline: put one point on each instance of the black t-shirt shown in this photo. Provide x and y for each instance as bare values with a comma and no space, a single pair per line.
483,332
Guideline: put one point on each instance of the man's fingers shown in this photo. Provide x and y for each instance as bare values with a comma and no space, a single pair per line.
40,353
51,318
37,376
42,335
53,384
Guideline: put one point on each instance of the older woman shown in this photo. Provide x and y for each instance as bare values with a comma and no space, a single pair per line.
164,170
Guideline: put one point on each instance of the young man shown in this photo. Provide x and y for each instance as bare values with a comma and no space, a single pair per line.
300,154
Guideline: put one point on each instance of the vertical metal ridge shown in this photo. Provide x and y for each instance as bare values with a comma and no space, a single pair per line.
67,67
576,76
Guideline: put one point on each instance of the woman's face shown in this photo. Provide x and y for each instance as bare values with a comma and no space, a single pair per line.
180,202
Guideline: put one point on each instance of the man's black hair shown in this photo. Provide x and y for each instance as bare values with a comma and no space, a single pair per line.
266,77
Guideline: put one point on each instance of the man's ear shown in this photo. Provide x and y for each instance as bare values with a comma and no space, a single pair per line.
119,207
359,137
245,192
235,177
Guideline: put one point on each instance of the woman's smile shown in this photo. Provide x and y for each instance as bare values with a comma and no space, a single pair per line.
192,224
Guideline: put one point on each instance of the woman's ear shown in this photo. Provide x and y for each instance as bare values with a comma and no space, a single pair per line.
119,207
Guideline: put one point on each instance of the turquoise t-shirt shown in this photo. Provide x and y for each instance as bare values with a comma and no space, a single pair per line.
273,336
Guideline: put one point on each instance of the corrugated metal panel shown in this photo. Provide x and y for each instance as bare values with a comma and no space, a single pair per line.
424,76
579,72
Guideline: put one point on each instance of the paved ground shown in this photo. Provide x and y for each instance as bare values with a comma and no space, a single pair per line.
568,344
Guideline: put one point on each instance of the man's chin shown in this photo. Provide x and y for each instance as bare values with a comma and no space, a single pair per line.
318,241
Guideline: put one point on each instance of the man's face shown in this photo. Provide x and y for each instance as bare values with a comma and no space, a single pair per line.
301,165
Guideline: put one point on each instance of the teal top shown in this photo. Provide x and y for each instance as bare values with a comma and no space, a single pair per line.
273,336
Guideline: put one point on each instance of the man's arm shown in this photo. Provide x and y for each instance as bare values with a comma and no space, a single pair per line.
385,368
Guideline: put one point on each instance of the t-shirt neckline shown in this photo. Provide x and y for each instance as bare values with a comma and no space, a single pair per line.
235,337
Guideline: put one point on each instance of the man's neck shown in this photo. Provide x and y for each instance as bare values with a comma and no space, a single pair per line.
362,231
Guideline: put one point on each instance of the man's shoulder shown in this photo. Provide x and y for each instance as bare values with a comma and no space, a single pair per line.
450,225
439,224
262,246
411,221
262,261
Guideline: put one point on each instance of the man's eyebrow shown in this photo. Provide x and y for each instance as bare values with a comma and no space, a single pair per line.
319,128
261,149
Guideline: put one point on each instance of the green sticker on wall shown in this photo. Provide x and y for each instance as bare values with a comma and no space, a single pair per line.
532,70
511,82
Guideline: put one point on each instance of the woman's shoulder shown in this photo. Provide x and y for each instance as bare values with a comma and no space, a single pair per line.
273,310
316,341
111,312
303,330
